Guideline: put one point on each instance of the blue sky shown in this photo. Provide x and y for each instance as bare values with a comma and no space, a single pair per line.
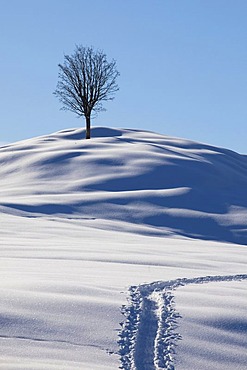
183,65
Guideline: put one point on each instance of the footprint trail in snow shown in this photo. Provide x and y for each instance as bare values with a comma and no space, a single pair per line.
148,337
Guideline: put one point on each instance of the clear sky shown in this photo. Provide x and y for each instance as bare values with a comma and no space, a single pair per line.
183,65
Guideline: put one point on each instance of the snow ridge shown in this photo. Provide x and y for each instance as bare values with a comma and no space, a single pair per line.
148,336
135,181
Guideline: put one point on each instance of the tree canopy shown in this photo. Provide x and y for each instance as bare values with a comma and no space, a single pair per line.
85,81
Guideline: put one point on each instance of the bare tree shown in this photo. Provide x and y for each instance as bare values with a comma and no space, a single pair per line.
86,79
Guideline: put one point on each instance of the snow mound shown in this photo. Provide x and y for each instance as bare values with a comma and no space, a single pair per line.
132,179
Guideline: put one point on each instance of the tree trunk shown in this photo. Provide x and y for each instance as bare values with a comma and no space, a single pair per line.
88,127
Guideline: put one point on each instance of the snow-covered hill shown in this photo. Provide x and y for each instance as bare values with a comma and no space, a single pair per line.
121,252
156,184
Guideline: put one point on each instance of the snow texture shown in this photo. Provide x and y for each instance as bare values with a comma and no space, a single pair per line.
84,220
170,185
148,338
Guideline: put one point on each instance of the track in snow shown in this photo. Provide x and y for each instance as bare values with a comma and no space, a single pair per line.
148,336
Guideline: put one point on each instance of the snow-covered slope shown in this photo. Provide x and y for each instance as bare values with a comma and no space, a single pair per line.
168,185
94,229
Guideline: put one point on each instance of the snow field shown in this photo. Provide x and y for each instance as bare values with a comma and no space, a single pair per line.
213,326
63,286
82,221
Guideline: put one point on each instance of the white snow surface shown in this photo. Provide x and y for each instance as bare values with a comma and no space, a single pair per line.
124,251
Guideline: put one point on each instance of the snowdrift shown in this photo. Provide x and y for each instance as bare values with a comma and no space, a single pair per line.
130,179
76,293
